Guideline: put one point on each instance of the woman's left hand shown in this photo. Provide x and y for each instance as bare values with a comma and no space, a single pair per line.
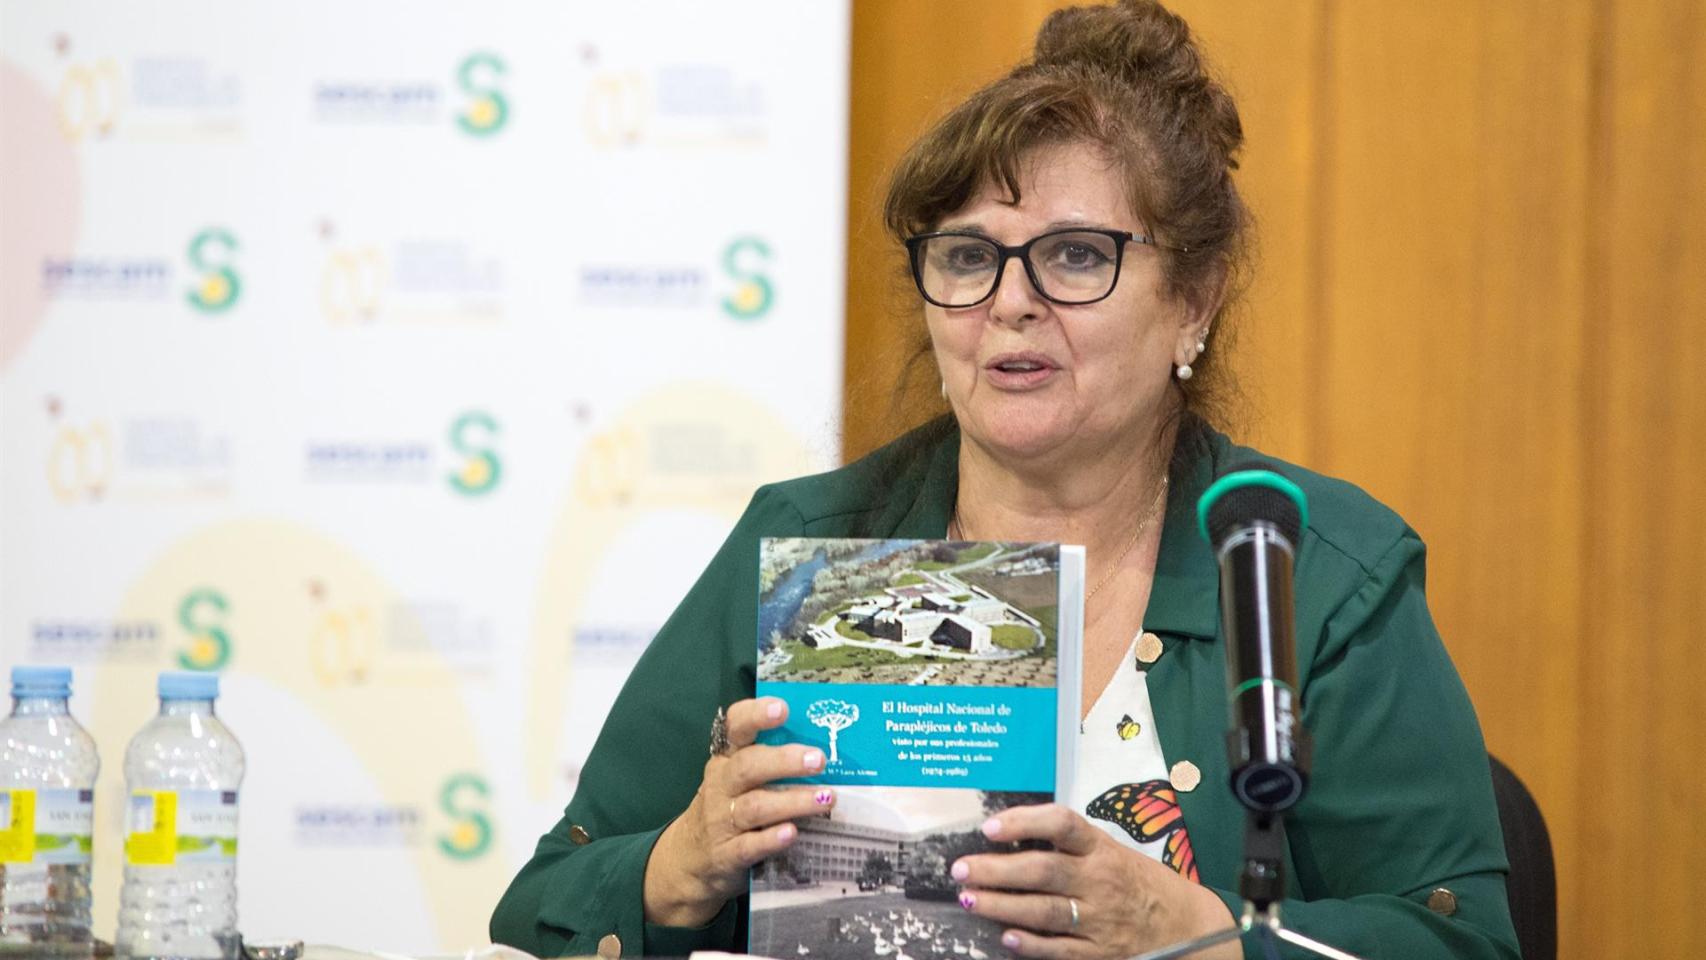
1127,903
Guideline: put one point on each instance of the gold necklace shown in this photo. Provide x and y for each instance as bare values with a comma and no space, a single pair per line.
956,532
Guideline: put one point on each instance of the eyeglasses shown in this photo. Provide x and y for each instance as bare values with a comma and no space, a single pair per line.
1068,267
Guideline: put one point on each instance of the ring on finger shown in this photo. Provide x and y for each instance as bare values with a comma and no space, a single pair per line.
720,746
732,822
1073,904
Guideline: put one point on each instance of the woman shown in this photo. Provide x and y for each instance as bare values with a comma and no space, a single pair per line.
1073,231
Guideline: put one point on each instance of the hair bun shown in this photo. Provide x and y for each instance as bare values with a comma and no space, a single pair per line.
1138,41
1147,48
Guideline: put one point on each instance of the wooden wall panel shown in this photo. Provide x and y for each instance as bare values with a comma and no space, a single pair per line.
1453,359
1646,404
1479,296
1268,55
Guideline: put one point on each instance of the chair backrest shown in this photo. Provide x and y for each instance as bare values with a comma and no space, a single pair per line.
1533,884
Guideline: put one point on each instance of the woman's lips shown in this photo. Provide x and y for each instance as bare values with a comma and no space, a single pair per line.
1019,371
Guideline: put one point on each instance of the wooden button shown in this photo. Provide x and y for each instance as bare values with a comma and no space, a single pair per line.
610,946
1442,902
1148,648
578,836
1185,776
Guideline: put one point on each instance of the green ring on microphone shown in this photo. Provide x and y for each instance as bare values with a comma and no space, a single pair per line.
1249,478
1255,682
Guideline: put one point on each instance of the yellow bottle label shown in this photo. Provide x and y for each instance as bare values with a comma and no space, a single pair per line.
151,837
17,826
167,827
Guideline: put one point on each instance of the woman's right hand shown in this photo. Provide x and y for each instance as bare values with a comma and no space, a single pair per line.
700,862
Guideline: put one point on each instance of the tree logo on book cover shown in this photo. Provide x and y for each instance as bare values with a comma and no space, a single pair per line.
834,716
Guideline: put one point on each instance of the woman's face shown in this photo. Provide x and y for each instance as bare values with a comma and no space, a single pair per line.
1032,380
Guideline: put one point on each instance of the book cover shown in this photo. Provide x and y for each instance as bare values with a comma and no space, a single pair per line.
941,681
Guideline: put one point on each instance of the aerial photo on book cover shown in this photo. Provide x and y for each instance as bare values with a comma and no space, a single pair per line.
928,673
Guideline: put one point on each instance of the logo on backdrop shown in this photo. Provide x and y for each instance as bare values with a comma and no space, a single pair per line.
357,825
109,278
152,459
463,800
743,260
80,461
354,643
488,111
605,644
159,97
217,284
212,288
683,106
201,614
342,641
90,97
351,285
745,289
482,108
620,463
474,466
410,280
480,467
84,640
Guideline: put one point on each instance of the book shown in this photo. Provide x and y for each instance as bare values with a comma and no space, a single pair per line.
941,680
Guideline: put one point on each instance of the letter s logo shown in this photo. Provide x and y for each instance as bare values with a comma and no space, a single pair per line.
201,614
219,284
481,467
470,834
753,294
489,111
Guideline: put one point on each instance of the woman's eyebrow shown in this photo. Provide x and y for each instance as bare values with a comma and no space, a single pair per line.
1069,224
1077,222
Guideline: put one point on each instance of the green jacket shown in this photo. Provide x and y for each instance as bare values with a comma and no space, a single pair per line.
1400,801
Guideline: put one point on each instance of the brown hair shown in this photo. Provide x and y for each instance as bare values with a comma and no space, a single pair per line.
1128,79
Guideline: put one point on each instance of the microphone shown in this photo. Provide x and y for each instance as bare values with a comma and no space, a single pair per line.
1253,517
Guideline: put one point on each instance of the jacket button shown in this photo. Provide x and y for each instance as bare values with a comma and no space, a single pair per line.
1148,648
578,836
1185,776
610,946
1442,902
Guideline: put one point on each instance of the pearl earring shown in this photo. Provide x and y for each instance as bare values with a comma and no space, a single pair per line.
1183,372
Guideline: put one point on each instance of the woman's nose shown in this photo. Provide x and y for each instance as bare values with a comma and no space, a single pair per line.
1016,299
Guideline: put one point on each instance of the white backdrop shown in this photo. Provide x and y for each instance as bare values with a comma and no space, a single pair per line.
404,363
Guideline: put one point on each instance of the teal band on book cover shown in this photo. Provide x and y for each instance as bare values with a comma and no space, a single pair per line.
981,738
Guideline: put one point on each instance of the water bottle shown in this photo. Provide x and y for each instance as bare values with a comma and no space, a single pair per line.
181,771
47,791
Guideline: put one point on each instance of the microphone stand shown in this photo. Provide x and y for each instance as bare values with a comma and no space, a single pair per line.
1268,750
1262,885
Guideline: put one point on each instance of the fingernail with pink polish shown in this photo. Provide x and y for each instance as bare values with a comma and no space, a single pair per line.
968,899
1010,940
774,709
824,797
786,832
960,871
991,828
813,759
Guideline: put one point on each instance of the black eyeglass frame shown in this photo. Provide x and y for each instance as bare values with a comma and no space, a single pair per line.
1022,252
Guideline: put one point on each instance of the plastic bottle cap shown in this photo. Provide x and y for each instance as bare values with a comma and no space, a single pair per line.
41,681
189,686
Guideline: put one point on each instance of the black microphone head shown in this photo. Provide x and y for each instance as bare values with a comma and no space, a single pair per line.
1251,491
